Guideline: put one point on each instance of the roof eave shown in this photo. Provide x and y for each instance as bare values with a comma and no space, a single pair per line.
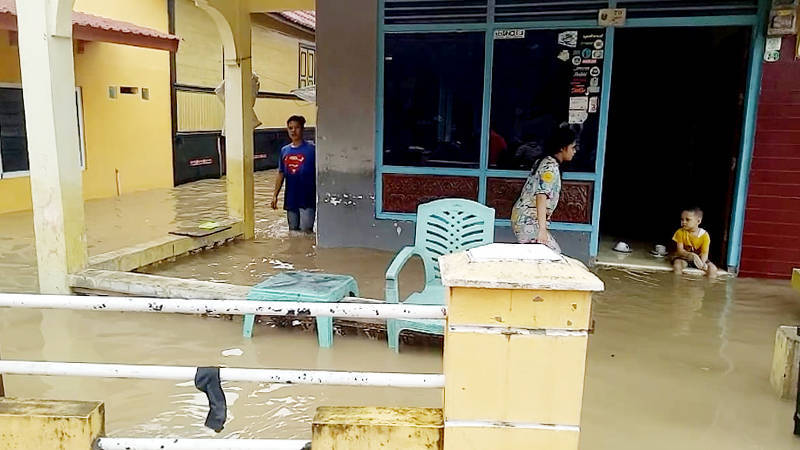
8,21
91,34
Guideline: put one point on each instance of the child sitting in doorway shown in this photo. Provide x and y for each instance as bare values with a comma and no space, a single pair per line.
693,243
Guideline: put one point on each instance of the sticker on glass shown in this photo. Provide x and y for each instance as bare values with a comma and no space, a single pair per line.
568,39
578,117
592,104
594,71
579,103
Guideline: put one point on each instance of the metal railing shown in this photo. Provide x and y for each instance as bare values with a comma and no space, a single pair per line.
199,444
187,373
356,310
234,307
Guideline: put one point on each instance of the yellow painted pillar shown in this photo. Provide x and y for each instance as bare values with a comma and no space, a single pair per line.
515,348
48,82
367,428
50,424
232,18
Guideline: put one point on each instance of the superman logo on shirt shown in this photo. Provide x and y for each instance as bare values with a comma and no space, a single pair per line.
293,163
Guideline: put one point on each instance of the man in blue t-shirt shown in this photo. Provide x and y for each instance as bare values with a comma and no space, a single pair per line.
297,166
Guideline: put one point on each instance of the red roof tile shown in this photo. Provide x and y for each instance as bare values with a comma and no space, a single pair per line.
307,19
81,19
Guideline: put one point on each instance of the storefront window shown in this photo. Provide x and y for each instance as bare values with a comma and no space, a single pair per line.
543,79
13,143
433,89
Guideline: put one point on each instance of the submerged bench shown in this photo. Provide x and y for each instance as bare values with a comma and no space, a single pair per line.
303,287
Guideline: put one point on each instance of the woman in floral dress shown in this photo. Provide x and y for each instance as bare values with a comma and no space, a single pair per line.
530,217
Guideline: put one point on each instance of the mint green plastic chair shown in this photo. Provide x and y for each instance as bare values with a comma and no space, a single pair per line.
443,227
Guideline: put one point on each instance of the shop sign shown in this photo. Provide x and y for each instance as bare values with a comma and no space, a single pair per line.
611,17
782,21
509,34
201,162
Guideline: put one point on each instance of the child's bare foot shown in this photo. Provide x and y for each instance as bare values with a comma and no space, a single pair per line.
711,270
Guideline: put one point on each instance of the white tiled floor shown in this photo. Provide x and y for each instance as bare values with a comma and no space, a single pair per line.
640,258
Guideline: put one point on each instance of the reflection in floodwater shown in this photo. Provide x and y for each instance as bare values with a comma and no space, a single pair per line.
674,363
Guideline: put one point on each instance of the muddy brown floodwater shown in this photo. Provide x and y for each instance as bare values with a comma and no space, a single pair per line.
675,363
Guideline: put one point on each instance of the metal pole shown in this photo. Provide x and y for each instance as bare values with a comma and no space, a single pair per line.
187,373
198,444
236,307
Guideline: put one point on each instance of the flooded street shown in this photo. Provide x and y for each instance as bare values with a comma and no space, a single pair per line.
674,363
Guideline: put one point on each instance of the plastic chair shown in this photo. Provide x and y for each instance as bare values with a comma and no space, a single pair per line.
443,227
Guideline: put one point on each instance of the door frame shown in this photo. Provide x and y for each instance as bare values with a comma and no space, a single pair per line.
757,23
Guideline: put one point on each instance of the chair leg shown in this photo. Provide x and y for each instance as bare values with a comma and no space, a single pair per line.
393,334
247,326
325,331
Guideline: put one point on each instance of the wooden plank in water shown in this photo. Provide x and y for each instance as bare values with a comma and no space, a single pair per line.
144,285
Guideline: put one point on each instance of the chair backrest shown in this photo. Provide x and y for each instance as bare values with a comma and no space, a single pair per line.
448,226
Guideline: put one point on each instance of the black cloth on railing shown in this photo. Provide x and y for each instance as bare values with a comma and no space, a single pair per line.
207,380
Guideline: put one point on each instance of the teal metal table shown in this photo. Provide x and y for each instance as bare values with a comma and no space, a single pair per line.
303,287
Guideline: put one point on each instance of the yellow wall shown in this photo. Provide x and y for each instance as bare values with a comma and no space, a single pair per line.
199,57
126,134
199,63
9,69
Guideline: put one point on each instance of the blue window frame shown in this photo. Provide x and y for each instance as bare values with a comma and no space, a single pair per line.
489,16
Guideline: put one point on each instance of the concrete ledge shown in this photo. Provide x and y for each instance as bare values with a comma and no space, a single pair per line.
50,424
366,428
565,274
142,285
721,273
132,258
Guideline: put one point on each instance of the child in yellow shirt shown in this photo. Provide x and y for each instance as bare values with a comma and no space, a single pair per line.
693,243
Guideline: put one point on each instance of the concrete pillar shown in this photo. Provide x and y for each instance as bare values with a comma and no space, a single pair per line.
785,361
52,424
232,18
2,386
786,355
48,82
515,349
367,428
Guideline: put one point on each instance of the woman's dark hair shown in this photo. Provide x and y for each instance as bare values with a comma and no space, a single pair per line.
299,119
563,136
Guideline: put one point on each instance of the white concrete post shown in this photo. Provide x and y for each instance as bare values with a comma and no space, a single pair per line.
48,80
232,18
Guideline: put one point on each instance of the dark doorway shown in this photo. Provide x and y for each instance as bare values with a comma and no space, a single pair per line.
674,132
